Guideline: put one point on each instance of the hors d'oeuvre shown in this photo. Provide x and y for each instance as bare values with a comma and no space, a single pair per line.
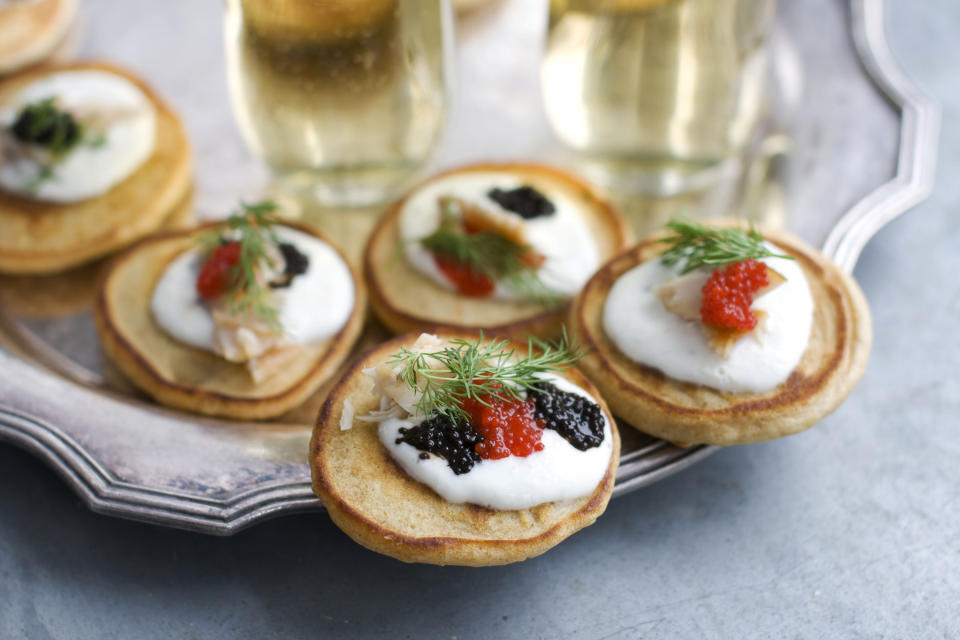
243,319
30,30
498,247
455,449
722,335
90,160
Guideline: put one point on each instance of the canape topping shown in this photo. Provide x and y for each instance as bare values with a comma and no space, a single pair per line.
218,271
466,278
720,277
453,440
487,234
497,428
696,246
524,201
574,416
474,394
476,219
476,249
295,264
243,258
484,386
688,313
45,125
486,424
72,135
729,292
507,427
255,292
683,294
443,378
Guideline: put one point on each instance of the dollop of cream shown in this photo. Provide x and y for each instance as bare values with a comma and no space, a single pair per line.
563,237
315,306
559,472
642,329
111,108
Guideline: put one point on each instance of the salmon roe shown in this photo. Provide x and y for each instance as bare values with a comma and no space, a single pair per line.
728,294
218,271
507,428
467,280
470,281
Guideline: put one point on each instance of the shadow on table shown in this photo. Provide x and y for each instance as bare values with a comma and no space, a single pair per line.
300,573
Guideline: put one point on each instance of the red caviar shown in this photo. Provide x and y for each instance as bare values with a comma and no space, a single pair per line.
508,428
728,294
468,280
218,271
471,281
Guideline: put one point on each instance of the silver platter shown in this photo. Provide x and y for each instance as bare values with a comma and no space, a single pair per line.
851,145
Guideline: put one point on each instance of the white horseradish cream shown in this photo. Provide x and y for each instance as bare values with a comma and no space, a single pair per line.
110,108
559,472
315,306
642,329
563,237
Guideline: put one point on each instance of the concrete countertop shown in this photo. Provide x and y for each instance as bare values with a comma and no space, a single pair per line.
851,529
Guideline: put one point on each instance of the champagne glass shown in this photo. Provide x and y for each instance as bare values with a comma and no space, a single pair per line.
657,96
344,97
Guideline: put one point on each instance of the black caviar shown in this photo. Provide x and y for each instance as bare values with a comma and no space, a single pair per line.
524,201
295,264
454,441
577,419
43,124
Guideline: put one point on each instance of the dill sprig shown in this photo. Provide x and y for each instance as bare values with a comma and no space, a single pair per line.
480,370
252,227
700,246
493,255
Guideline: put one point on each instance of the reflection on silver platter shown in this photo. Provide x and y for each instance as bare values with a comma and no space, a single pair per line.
862,151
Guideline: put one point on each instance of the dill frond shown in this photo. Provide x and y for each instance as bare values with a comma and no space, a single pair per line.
479,369
697,246
252,227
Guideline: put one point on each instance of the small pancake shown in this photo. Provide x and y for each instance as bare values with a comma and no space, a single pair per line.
406,300
193,379
682,412
377,504
47,237
31,30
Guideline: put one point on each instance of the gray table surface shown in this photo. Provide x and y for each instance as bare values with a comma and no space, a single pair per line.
851,529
